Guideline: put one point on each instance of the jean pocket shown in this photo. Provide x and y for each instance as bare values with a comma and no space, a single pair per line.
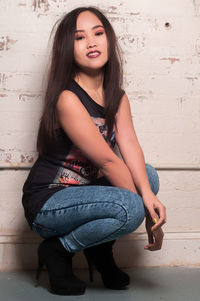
43,231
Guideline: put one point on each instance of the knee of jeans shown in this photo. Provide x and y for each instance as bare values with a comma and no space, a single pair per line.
153,178
135,214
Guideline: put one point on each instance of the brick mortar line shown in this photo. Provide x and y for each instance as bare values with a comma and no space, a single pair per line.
20,239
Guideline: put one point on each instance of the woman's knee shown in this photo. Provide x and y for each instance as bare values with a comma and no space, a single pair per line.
153,178
135,212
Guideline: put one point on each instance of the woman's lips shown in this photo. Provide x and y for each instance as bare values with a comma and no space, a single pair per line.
93,54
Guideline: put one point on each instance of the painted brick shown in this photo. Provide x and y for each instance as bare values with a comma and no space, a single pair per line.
160,41
162,8
24,43
26,82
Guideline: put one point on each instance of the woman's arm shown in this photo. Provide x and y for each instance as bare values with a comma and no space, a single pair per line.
133,157
80,128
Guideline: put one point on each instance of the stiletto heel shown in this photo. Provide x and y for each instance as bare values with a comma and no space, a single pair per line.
91,267
40,265
58,262
101,257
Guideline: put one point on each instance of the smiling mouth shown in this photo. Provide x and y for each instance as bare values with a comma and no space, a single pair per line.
93,54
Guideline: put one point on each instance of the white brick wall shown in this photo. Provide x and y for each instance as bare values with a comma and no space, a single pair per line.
161,49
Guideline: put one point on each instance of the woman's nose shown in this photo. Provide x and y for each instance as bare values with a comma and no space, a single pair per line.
91,42
91,46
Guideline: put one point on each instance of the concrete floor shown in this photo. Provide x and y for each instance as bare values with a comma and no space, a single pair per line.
147,284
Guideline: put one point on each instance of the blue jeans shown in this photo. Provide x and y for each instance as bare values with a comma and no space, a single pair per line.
92,214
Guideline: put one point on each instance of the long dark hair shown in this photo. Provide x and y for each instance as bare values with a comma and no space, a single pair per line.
63,69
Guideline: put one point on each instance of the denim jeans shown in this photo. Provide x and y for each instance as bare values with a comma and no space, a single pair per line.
84,216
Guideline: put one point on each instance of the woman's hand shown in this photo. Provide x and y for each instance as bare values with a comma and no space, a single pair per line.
155,237
156,210
155,219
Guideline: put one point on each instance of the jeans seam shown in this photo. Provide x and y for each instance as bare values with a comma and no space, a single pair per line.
119,205
77,241
124,223
126,220
124,197
77,205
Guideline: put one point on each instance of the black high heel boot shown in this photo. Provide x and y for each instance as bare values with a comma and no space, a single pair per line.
58,262
101,257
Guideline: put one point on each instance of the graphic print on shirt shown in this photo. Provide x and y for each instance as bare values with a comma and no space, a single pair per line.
100,123
77,169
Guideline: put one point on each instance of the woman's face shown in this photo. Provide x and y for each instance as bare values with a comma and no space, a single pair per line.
90,44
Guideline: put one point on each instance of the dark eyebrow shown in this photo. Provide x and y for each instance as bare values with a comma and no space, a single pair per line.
96,26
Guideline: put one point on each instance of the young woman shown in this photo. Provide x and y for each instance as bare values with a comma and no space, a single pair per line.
79,194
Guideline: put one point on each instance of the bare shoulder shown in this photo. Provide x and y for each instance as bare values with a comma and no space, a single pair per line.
67,99
69,107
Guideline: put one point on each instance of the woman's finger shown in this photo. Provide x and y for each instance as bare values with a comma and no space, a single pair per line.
159,223
154,247
158,240
150,238
159,217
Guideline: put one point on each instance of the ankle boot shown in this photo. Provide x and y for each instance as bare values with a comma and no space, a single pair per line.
58,262
101,257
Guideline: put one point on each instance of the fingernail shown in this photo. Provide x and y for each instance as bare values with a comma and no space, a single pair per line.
155,220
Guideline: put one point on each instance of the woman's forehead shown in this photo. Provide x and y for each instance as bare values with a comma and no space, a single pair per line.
87,20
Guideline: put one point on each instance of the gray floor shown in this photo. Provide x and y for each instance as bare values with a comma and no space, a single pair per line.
148,284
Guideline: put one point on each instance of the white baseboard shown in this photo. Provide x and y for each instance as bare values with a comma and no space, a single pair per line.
179,249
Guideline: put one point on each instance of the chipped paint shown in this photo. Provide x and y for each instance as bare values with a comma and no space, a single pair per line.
22,4
39,15
142,98
41,5
8,158
6,43
156,105
2,44
197,47
15,159
3,78
181,100
26,97
10,42
112,9
127,38
26,159
196,4
171,59
135,14
113,19
192,78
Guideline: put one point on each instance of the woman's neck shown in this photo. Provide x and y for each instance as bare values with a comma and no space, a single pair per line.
90,82
93,85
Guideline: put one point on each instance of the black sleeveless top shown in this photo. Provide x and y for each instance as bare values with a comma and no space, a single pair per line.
64,164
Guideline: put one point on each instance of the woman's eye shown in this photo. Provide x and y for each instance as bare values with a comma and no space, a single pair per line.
99,33
79,38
